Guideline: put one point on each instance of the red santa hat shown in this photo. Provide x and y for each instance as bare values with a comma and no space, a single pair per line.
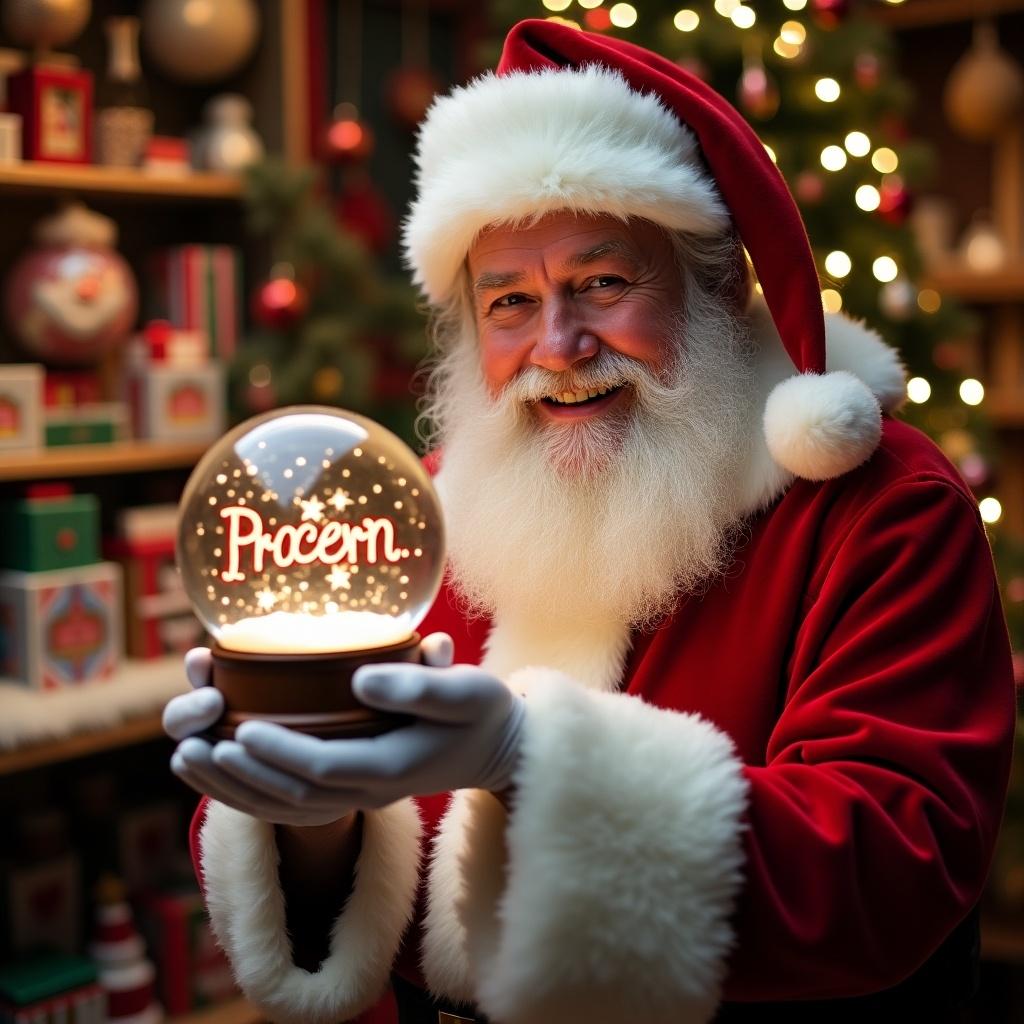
576,121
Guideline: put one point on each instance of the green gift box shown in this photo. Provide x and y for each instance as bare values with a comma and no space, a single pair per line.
41,534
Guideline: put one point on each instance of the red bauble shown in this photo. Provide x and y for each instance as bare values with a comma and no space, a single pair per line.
598,19
809,188
279,304
895,202
410,92
348,139
758,93
830,13
867,71
365,212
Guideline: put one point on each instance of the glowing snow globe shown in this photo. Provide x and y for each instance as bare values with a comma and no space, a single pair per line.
310,541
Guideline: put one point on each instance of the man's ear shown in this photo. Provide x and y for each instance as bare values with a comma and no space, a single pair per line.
737,290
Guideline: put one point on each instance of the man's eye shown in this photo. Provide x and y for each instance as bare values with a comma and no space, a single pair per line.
604,281
505,301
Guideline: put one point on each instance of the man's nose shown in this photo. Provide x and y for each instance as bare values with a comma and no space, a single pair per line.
563,339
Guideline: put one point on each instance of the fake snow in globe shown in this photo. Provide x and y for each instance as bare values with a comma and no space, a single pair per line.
310,541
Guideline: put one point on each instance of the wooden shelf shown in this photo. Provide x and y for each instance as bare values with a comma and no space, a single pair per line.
238,1011
922,13
99,459
1005,285
138,730
120,182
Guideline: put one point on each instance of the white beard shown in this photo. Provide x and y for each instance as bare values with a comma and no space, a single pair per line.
600,522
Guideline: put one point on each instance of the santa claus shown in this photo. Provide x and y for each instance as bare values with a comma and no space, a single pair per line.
732,718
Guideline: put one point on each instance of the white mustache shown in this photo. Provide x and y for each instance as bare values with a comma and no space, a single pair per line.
606,370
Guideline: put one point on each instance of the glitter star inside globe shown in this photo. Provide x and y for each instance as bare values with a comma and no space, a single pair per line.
309,533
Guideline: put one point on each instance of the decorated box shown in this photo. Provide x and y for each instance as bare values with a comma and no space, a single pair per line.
192,970
51,988
59,531
94,423
171,403
198,287
21,406
44,905
60,628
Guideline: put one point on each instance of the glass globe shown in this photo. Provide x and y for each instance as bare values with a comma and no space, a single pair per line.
310,530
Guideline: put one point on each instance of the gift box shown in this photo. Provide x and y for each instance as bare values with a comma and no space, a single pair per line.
55,104
60,628
68,389
51,988
198,287
158,615
40,534
192,970
95,423
173,403
44,905
21,406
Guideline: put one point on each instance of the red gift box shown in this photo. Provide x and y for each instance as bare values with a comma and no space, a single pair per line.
55,104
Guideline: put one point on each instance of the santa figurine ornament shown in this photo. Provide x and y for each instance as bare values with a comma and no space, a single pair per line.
72,298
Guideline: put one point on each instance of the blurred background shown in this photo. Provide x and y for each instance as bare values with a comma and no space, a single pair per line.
201,203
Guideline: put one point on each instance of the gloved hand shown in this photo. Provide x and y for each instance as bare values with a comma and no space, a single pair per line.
466,734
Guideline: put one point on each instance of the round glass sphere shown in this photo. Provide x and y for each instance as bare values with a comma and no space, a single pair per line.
310,530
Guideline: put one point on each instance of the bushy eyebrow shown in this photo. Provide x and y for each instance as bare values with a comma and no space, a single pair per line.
489,281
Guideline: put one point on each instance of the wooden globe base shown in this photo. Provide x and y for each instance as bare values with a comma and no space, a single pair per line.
311,693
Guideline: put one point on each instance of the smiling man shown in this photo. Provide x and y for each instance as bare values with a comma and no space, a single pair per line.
731,730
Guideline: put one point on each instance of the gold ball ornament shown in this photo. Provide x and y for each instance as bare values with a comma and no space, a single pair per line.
44,24
200,41
985,90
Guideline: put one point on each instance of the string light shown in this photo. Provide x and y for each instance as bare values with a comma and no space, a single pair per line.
929,300
838,263
794,5
726,7
972,392
990,509
589,5
556,5
793,32
918,390
833,158
885,160
885,269
867,197
786,50
827,90
831,300
623,15
743,17
686,20
857,144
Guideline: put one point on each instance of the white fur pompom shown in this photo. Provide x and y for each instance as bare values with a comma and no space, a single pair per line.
821,426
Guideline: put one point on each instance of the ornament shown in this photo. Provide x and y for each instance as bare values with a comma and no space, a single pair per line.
72,298
310,541
282,302
984,93
125,973
410,91
897,299
758,93
974,469
809,187
227,141
895,201
348,138
867,71
982,248
124,120
200,41
598,19
363,210
44,24
830,14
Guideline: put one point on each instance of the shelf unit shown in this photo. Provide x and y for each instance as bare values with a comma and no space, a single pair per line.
99,459
238,1011
923,13
117,182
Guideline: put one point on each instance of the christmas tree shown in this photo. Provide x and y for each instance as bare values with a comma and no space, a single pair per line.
327,327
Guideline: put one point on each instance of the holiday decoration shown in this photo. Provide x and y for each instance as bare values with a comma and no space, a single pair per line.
348,138
830,14
97,423
126,974
362,209
21,406
310,541
175,403
73,297
227,141
281,302
41,25
51,988
981,248
894,200
200,41
124,121
54,529
55,106
985,90
758,93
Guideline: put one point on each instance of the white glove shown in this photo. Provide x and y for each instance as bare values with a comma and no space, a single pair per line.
466,734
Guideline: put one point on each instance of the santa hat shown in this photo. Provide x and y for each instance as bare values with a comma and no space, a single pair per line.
576,121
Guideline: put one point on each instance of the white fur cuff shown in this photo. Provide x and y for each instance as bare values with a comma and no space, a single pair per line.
247,911
606,895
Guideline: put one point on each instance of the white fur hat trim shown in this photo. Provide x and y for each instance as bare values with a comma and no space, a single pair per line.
822,426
